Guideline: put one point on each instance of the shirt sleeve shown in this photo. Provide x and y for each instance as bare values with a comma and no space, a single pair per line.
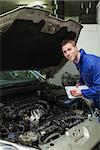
81,81
94,90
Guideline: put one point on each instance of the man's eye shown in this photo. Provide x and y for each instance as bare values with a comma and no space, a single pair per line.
69,49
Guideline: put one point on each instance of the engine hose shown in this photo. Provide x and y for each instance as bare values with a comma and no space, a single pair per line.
88,102
50,137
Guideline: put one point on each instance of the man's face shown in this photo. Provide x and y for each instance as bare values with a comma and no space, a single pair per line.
70,52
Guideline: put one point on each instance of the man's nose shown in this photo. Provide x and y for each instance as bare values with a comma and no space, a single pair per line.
67,54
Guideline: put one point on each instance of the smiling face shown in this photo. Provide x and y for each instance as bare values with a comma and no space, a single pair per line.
70,51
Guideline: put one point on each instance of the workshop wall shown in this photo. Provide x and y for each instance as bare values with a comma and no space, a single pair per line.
89,39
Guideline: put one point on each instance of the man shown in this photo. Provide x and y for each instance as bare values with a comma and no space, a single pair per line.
89,68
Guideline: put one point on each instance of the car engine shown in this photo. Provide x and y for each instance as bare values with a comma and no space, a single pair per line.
40,117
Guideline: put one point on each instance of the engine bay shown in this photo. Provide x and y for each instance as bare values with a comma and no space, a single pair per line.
43,116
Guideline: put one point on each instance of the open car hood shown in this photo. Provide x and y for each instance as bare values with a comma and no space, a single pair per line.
30,38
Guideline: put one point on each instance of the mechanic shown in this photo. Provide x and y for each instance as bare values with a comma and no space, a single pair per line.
89,68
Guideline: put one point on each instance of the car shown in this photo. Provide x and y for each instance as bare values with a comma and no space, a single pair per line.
34,113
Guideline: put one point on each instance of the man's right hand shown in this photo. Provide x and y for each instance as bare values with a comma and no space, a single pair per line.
75,92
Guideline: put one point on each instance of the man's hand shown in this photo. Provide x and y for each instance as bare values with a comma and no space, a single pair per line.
75,92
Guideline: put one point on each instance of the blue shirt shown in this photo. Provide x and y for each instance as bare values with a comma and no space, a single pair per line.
89,67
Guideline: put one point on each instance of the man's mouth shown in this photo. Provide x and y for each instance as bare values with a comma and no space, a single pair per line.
70,57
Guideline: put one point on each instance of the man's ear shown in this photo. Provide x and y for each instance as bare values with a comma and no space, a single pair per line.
76,47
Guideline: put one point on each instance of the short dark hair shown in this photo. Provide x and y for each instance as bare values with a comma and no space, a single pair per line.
64,42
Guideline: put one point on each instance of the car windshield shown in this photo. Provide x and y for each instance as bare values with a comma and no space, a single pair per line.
14,77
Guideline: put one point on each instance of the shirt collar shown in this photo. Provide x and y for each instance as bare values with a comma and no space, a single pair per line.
82,52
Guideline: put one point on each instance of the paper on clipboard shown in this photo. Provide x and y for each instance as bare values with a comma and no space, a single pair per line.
69,88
